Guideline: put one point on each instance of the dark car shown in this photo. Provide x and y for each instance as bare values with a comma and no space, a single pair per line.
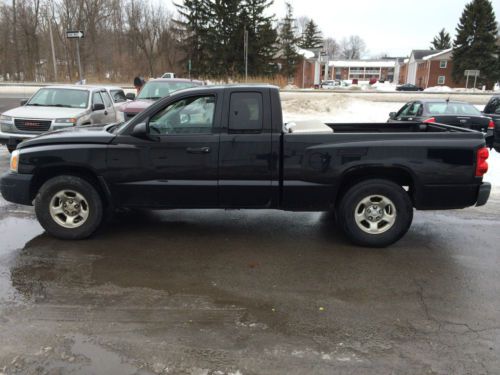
408,87
492,109
442,111
227,147
153,90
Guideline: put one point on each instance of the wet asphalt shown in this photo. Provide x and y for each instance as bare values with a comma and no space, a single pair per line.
249,292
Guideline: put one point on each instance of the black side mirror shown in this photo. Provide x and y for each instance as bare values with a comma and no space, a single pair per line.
392,115
130,96
141,131
98,107
24,101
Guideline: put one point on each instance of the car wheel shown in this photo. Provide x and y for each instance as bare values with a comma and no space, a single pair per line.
69,207
375,213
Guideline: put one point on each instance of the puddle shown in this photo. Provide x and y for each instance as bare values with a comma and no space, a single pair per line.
15,232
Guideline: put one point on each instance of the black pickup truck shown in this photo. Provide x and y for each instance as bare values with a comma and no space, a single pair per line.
227,147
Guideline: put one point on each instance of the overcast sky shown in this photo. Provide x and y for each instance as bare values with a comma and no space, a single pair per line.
394,27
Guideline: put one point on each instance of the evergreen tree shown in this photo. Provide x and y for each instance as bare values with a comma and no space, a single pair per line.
288,42
441,41
312,38
193,25
474,46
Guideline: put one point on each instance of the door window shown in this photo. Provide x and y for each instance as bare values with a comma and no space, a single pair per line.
245,112
118,96
96,98
414,109
107,100
403,111
194,115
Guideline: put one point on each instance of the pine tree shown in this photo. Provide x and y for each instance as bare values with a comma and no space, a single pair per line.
441,41
474,46
194,27
288,43
312,38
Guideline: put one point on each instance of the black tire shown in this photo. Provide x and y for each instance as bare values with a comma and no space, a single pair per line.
93,203
352,203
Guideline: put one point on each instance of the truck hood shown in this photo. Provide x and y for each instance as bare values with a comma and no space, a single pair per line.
136,106
78,134
36,112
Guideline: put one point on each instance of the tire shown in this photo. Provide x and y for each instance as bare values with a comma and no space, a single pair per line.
69,207
375,213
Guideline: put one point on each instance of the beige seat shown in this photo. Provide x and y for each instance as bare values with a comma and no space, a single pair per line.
308,126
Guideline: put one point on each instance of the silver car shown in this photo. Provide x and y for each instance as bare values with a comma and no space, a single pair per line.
56,107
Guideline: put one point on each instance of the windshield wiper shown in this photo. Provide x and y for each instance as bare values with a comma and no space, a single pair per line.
36,104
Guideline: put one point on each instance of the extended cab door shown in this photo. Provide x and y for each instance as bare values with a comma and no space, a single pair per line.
109,112
248,161
177,166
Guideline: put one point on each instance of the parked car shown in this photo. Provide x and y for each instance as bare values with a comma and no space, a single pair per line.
168,75
227,147
408,87
492,109
153,90
330,84
56,107
448,112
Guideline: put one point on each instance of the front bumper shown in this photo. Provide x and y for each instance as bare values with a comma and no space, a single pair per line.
14,138
15,188
483,194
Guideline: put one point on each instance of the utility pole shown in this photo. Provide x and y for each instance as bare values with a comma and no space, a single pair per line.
245,52
52,47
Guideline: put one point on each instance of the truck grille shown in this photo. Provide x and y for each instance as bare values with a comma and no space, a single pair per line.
33,125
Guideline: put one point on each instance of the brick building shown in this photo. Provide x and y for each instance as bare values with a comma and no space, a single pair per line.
363,70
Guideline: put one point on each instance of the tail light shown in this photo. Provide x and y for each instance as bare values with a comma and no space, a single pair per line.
491,125
481,163
430,120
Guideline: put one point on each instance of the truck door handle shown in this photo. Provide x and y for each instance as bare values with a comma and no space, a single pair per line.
199,150
105,113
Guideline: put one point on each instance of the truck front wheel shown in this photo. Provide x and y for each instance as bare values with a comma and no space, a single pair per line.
375,213
69,207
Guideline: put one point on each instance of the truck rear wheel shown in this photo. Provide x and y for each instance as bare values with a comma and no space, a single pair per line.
375,213
69,207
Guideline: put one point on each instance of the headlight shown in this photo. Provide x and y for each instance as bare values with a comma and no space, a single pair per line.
71,120
14,161
5,118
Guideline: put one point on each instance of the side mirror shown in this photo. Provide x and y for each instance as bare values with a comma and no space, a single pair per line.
130,96
392,115
141,131
24,101
98,107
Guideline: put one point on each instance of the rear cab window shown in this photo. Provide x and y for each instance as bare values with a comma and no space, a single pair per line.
245,112
459,109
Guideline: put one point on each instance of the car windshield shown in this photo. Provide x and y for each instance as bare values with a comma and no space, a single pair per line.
158,89
444,108
58,97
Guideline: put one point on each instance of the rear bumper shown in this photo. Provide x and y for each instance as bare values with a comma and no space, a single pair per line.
483,194
444,197
15,188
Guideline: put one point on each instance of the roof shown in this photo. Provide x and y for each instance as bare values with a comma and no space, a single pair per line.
419,54
174,80
438,53
440,101
306,53
75,87
363,63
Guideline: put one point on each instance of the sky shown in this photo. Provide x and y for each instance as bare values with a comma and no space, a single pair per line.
394,27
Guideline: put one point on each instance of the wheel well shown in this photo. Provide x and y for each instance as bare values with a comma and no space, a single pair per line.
399,176
46,174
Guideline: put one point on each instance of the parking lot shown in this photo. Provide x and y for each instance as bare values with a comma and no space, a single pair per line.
250,292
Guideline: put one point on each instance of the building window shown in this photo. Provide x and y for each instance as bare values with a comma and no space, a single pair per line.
441,80
443,64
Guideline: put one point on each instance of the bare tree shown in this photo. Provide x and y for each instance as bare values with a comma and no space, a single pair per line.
352,48
331,48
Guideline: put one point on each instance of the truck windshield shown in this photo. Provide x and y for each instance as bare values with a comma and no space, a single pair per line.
157,89
57,97
443,108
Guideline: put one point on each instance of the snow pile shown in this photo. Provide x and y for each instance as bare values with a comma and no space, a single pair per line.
439,89
385,87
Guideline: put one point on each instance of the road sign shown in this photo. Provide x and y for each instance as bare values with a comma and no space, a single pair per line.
78,34
471,73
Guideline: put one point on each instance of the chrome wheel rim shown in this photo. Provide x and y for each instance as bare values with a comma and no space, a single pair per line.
375,214
69,209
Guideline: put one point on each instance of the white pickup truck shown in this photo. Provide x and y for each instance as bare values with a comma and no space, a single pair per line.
56,107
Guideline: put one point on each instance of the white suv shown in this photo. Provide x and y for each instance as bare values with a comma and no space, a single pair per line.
56,107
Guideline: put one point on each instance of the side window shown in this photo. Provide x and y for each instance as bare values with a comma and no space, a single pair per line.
245,112
96,98
194,115
404,111
118,96
414,109
107,100
493,106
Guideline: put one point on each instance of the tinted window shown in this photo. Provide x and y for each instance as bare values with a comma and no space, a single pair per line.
193,115
96,98
415,109
158,89
106,98
245,111
493,106
443,108
404,111
118,96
